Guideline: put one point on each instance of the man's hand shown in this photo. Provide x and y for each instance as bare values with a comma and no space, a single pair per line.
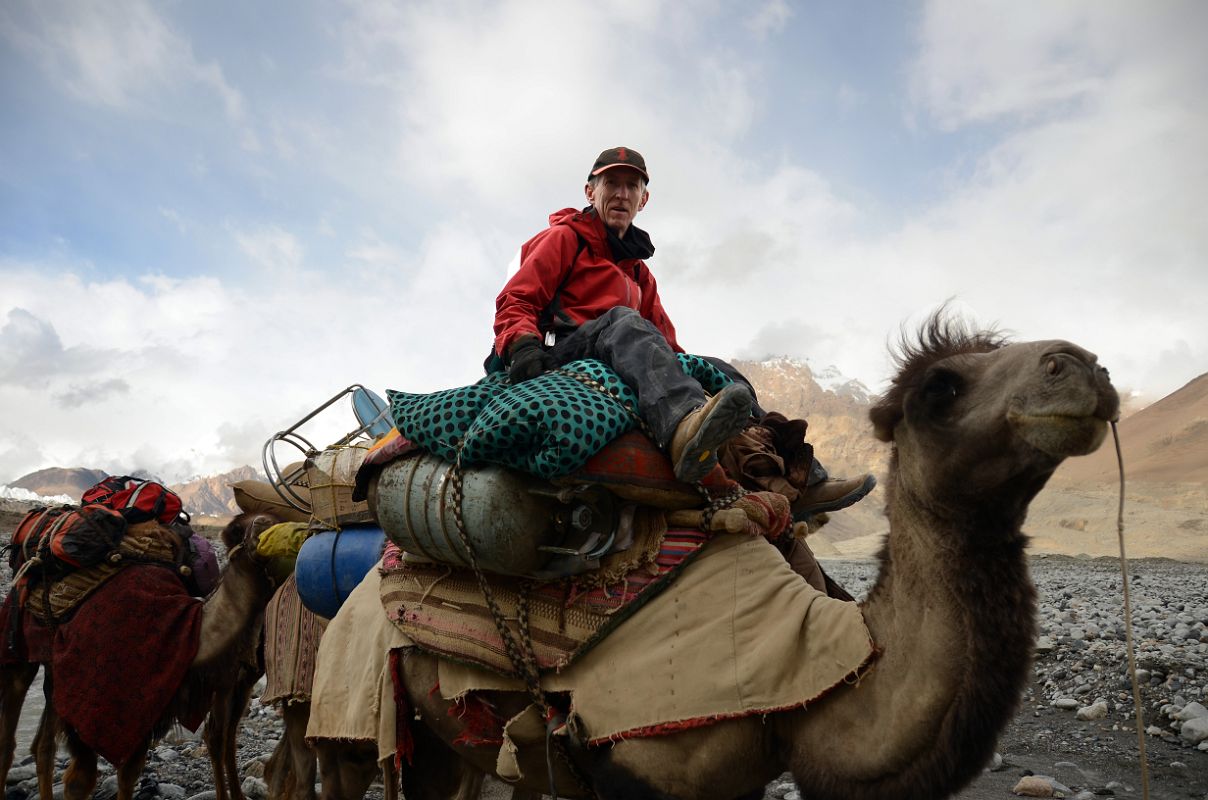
527,359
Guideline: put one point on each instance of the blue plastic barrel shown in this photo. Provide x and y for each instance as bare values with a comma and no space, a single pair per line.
332,563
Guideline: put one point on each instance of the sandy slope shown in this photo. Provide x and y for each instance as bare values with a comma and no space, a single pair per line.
1161,520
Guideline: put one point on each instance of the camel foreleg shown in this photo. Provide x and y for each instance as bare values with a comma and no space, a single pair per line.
129,773
222,733
290,772
46,740
79,780
347,768
15,681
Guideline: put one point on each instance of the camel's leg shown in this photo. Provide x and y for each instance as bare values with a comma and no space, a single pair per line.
278,775
347,769
215,736
470,785
46,740
222,732
302,765
15,681
80,778
290,772
436,772
390,781
129,773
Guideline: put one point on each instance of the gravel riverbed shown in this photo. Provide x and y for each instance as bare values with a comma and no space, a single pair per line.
1074,734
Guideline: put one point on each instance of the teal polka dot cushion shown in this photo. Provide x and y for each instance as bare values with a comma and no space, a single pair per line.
547,426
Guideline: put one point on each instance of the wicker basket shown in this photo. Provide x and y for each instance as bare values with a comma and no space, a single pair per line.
332,475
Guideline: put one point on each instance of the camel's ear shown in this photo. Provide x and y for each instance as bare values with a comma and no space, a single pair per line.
884,417
233,533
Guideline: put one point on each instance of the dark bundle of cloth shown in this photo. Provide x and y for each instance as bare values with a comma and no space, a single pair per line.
771,455
120,659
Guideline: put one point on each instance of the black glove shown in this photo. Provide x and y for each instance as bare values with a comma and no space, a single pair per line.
528,359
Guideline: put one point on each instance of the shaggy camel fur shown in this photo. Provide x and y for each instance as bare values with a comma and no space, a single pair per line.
978,426
230,619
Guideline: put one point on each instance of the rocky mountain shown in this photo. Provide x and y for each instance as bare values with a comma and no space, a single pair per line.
208,496
211,496
60,480
836,410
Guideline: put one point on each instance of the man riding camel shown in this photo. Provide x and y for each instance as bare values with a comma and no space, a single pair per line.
583,290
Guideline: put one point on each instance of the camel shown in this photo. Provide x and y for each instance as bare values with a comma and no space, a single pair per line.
348,767
232,695
977,426
231,618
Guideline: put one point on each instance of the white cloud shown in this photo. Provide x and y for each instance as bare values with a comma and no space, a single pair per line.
120,55
271,247
769,19
183,377
1075,210
980,60
850,98
1088,217
78,395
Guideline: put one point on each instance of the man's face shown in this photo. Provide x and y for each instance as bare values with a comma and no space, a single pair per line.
618,196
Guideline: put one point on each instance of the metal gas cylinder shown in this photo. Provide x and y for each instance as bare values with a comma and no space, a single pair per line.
517,524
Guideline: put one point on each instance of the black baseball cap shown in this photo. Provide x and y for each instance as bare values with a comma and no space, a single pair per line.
619,157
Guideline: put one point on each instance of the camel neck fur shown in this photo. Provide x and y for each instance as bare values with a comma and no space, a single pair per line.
953,614
234,607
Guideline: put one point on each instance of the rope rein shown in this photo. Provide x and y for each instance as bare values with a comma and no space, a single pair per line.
1128,635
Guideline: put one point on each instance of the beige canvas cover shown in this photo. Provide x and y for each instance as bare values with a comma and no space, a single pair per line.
353,696
738,633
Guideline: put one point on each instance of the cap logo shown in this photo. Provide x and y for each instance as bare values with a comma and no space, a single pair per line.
621,154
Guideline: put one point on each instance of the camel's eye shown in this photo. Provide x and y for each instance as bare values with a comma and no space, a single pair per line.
940,390
1052,366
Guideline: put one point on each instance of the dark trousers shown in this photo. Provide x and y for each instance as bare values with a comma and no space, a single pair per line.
641,356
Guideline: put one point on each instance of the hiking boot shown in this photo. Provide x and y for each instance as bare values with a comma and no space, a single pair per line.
832,495
693,448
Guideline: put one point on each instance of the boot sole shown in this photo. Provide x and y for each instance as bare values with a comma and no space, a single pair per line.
727,418
839,503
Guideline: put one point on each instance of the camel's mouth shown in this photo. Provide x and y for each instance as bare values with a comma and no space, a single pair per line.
1060,435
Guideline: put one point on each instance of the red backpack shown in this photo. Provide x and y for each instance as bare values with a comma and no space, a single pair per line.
66,538
137,500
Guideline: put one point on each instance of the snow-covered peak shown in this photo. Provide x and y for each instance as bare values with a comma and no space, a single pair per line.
17,493
830,379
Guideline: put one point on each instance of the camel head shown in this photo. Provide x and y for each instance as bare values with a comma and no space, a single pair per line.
245,530
980,424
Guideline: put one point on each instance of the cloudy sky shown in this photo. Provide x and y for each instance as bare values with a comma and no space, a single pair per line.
213,216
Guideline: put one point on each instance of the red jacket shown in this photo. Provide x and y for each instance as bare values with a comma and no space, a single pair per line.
591,282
